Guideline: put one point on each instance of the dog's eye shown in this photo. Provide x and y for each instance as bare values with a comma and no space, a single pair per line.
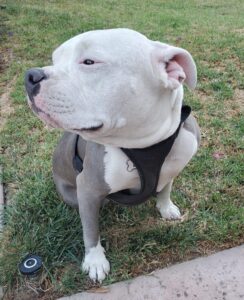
88,62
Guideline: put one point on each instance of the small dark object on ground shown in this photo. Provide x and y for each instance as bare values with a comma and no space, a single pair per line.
30,265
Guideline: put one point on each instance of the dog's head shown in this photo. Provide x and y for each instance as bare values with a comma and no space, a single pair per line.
113,87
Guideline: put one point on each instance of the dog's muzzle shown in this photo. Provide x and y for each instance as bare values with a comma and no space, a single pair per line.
33,77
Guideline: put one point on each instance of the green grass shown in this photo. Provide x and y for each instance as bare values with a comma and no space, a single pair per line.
209,191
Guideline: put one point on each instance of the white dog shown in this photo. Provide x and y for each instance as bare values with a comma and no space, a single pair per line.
118,96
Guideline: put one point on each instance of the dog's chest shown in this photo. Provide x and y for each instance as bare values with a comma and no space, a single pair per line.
120,172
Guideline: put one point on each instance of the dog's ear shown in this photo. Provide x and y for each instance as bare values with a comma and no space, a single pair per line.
173,65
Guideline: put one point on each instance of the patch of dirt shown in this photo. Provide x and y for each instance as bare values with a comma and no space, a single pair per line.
6,107
30,294
239,30
6,56
4,34
239,99
232,107
170,257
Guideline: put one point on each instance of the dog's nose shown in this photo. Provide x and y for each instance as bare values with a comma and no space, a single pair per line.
33,77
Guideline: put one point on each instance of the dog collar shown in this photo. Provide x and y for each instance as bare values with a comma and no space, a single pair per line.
148,162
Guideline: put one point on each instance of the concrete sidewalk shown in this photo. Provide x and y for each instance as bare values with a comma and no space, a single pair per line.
216,277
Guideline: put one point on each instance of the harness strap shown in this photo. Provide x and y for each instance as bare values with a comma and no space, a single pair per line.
77,161
148,162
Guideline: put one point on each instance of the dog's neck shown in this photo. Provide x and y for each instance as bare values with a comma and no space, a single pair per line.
163,123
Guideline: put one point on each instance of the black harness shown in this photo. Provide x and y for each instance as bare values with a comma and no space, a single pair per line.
148,162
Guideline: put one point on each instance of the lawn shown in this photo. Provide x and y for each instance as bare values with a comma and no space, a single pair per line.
210,191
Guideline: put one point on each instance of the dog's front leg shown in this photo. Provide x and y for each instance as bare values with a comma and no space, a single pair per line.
166,207
90,200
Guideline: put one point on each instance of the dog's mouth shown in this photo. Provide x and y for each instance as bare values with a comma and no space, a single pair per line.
89,129
45,117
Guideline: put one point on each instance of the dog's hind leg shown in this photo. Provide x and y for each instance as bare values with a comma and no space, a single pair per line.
166,207
67,191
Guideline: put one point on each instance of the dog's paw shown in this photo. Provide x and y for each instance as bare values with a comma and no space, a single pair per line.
169,211
96,264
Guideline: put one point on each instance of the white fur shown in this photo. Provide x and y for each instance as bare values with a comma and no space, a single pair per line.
166,207
116,174
96,264
125,90
169,210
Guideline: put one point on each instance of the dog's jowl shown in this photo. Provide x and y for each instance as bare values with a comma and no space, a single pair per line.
118,96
